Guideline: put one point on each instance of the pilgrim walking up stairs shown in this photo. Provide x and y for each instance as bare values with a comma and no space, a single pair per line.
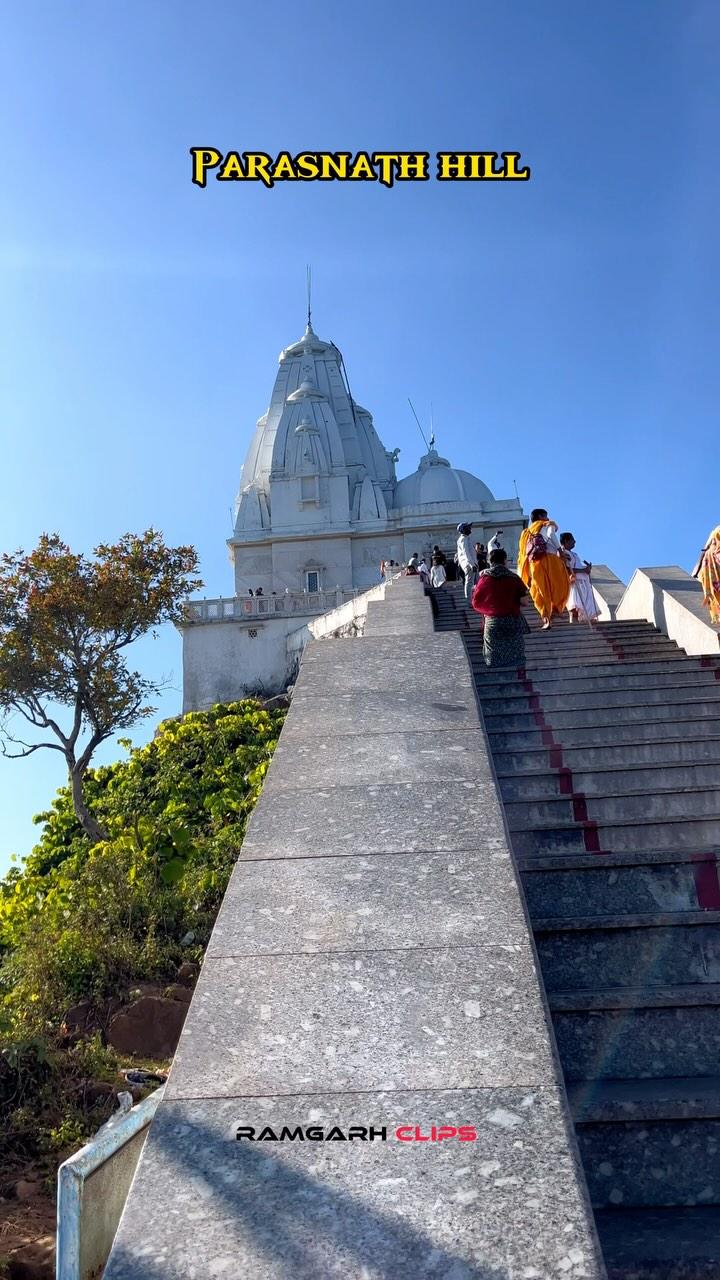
607,753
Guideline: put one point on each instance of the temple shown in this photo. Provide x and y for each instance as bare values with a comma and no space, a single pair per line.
319,507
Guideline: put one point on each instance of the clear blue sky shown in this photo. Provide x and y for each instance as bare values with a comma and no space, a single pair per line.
565,329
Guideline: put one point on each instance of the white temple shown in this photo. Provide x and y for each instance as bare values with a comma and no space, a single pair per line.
319,508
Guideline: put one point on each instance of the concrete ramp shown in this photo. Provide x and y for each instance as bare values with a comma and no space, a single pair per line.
366,1084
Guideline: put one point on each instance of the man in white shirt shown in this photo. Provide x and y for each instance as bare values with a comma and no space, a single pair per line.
495,543
466,557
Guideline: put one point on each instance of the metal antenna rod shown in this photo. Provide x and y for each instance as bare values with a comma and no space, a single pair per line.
422,433
308,283
432,428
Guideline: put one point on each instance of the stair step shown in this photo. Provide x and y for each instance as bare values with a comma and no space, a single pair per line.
612,680
660,955
661,1244
688,995
596,699
677,832
663,1098
640,1039
584,717
605,807
594,860
608,781
532,736
562,897
607,752
633,920
666,752
651,1162
545,655
545,679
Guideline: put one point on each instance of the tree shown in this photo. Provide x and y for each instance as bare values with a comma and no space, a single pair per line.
64,623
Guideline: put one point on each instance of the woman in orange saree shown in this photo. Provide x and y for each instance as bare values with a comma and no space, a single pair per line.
542,568
709,575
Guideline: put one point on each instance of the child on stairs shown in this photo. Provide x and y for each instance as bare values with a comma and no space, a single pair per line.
582,605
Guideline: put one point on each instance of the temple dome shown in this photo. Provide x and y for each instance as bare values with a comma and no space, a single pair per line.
436,481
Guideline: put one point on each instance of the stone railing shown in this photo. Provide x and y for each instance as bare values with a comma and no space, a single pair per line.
293,603
673,601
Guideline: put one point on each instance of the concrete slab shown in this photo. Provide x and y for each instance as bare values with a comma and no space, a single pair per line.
459,1018
388,818
412,652
374,664
359,713
211,1206
399,626
386,901
306,763
373,675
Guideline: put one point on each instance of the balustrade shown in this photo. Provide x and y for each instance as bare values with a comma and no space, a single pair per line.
293,603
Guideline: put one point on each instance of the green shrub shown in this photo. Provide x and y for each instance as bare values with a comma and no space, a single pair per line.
82,921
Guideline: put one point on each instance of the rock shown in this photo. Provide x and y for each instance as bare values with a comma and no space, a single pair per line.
279,703
81,1017
32,1261
177,992
187,972
95,1091
25,1189
148,1028
187,938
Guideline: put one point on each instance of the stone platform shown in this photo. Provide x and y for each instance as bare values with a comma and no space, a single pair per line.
371,968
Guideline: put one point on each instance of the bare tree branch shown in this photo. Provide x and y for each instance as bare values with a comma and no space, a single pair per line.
27,748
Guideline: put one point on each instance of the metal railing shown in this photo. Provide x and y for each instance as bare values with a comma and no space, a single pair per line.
92,1189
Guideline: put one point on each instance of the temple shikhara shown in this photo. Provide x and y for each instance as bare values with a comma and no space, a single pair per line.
319,507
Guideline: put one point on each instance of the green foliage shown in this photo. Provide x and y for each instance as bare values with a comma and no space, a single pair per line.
65,622
86,921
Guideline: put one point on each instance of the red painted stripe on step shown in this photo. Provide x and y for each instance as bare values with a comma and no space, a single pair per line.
580,813
617,649
548,739
556,756
591,836
566,781
707,885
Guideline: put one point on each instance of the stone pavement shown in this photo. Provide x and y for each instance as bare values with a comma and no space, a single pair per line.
371,967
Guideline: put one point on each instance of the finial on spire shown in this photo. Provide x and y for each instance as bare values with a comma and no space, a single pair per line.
308,281
431,441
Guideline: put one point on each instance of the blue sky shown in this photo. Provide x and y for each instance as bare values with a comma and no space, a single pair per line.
564,329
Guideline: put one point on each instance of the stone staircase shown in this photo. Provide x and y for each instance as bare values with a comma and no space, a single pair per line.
607,753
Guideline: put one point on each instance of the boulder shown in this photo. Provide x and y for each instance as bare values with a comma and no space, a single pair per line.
148,1028
32,1261
280,702
80,1017
177,992
94,1091
187,972
26,1188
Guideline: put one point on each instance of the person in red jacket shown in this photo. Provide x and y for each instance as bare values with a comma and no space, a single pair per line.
498,595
